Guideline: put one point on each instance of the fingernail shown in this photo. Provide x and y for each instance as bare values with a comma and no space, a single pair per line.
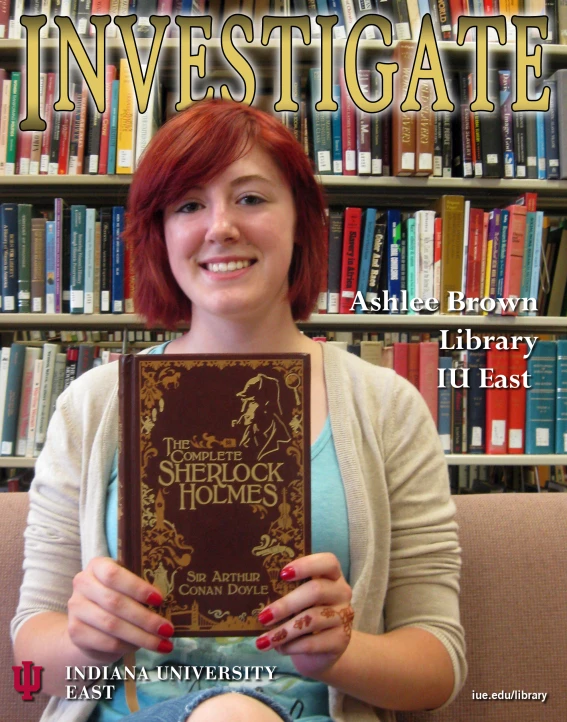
165,646
287,573
266,616
262,642
154,599
166,630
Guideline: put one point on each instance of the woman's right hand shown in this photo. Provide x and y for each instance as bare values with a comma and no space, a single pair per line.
108,614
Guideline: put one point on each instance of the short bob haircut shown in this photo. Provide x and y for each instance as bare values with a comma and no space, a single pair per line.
190,149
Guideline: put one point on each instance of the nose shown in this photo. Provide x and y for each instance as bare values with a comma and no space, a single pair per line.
222,227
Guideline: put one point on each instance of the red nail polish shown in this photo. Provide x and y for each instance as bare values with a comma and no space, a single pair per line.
165,646
262,643
287,574
266,616
154,599
166,630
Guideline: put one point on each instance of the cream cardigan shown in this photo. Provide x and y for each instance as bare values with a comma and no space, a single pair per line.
404,550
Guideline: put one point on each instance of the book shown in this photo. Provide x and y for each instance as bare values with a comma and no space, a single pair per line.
540,399
246,470
452,211
497,403
517,400
32,355
50,351
561,399
12,398
351,252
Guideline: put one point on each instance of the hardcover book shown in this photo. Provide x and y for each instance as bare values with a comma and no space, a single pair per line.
214,483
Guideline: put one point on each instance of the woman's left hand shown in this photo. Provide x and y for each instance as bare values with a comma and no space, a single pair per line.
318,613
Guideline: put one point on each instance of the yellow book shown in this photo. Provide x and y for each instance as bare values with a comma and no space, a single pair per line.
127,114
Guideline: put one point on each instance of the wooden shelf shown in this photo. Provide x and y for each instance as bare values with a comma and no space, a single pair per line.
20,462
343,322
506,459
407,193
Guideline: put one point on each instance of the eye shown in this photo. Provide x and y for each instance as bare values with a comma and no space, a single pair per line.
189,207
251,200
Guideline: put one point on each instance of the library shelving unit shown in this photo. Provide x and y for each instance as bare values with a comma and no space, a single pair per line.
405,193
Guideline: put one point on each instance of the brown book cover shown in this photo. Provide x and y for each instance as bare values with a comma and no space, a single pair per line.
403,124
452,212
214,483
425,131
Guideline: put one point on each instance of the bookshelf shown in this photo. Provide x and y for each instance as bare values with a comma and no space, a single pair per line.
406,193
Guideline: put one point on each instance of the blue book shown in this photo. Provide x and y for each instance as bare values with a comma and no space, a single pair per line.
552,133
540,399
113,133
561,399
12,399
335,8
50,267
540,142
504,219
336,132
529,240
9,228
117,259
78,227
394,226
369,225
476,404
536,262
323,8
444,404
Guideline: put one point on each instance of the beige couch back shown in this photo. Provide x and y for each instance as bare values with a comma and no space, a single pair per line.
513,603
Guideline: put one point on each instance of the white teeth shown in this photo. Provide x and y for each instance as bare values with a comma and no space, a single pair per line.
230,266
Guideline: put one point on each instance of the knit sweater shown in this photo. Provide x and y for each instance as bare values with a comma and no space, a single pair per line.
404,550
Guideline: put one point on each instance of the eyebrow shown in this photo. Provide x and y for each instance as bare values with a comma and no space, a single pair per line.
241,179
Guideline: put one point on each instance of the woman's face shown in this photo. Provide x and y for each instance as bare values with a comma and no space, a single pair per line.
230,241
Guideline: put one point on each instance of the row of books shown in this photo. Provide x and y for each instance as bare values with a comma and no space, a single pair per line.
484,479
74,263
462,143
82,141
406,15
31,379
348,142
491,262
484,405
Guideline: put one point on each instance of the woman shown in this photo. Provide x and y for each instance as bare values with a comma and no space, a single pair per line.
226,223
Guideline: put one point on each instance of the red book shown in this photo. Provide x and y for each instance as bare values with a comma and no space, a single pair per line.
517,399
24,137
514,255
105,121
474,256
413,364
65,137
351,252
348,128
48,117
438,235
323,299
99,7
529,200
401,360
78,130
497,403
428,383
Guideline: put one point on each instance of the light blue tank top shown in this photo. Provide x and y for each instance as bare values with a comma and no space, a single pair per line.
329,532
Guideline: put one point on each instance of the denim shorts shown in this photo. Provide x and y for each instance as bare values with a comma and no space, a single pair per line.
177,710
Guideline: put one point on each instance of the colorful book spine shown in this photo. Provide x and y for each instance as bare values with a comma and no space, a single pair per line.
50,262
9,228
444,403
78,221
540,400
31,356
351,251
50,351
517,398
336,131
24,257
126,133
348,121
561,399
476,404
113,133
12,399
505,78
90,268
394,237
514,256
497,402
38,265
10,167
117,259
428,352
32,424
369,224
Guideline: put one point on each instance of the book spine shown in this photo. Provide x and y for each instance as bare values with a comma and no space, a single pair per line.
50,350
78,130
366,253
517,398
561,399
438,147
403,123
497,403
540,138
50,275
31,356
4,122
321,127
78,221
106,264
113,135
335,260
476,404
336,130
528,255
97,267
53,165
58,382
514,256
38,265
10,167
531,144
9,257
466,134
425,130
34,405
348,120
90,220
444,405
536,261
126,132
37,135
458,407
452,215
24,257
552,133
363,134
12,399
540,400
520,151
351,250
377,260
117,260
401,358
427,384
394,243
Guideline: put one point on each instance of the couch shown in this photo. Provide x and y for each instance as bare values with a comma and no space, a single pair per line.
513,603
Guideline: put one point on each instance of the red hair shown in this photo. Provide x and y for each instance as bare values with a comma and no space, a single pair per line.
190,149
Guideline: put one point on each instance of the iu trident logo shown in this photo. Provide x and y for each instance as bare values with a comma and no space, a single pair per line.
27,680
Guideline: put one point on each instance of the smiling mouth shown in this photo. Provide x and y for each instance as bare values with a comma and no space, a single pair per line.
227,267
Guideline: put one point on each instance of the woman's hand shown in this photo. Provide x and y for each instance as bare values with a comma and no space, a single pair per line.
320,616
108,616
